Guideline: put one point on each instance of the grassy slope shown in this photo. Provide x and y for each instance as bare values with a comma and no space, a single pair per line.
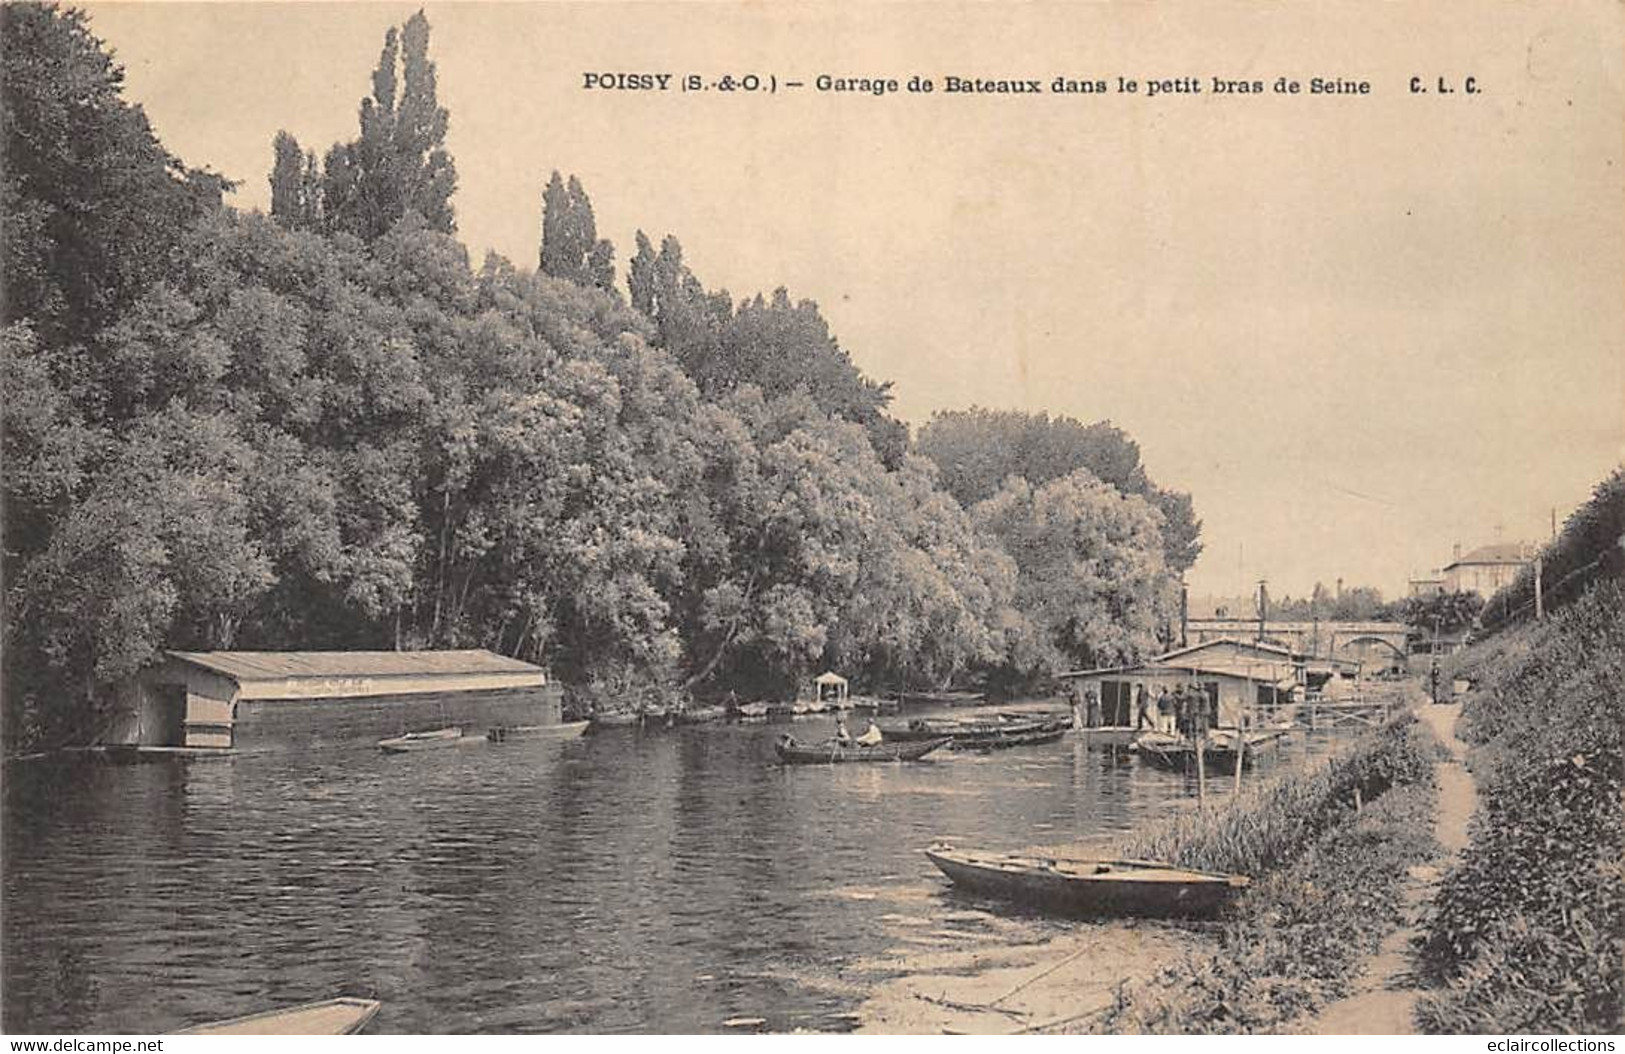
1528,933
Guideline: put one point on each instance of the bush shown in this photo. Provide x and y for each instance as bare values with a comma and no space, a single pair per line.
1301,934
1275,820
1527,930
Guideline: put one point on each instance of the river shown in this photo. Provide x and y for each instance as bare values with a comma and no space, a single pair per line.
620,882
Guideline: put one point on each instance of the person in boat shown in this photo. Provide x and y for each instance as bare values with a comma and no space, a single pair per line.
1165,710
1142,709
843,735
871,736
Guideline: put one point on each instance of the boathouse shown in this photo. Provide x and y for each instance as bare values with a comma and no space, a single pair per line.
262,699
1239,677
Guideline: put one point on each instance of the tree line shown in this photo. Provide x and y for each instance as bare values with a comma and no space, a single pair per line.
324,428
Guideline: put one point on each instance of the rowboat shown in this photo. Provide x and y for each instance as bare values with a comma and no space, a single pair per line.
616,718
344,1016
699,715
509,733
922,728
1088,887
998,739
414,741
752,712
944,698
1178,753
793,753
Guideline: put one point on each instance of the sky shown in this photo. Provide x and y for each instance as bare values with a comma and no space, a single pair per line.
1358,329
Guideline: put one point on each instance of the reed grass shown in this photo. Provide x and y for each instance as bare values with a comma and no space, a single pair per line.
1275,819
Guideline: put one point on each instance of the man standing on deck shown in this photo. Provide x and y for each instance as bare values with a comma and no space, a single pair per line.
1142,708
1091,707
1165,710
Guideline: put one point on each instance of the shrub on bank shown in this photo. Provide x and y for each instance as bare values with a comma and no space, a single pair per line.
1276,819
1302,933
1529,929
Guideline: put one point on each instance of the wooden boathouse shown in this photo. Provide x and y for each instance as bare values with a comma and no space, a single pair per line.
1239,677
223,700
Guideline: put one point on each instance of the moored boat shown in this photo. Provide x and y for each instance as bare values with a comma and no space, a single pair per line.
792,752
343,1016
1178,753
616,719
944,698
999,738
415,741
922,728
509,733
1088,887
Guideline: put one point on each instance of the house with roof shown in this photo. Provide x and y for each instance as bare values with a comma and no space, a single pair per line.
224,700
1486,569
1237,675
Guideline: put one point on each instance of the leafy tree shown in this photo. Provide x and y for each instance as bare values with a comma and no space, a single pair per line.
296,192
977,450
399,163
571,248
1091,576
1449,612
91,203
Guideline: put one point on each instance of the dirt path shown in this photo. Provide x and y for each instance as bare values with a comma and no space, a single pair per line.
1384,1001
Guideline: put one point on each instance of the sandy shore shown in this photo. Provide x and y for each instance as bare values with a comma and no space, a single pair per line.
1014,975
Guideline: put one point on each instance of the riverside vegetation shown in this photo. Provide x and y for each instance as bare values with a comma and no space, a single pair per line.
1528,932
323,428
1333,843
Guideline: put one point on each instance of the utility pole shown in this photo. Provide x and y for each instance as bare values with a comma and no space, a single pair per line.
1540,608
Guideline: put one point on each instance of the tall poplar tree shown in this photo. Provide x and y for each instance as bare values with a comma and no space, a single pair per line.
399,163
571,248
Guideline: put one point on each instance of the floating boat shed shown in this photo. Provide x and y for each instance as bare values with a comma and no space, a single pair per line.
220,700
1238,676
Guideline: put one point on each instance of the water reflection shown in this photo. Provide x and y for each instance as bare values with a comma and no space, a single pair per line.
621,882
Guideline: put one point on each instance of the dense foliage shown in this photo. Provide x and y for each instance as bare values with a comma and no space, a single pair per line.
324,429
1590,548
1529,929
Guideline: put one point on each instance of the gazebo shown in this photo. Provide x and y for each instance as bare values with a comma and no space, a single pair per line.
830,688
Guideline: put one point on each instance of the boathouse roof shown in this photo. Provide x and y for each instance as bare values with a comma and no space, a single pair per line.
243,666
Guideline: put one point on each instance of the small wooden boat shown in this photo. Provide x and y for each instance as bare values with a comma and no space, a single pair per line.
999,739
616,719
1089,887
415,741
752,712
344,1016
700,715
944,698
876,704
922,728
793,753
510,733
1178,753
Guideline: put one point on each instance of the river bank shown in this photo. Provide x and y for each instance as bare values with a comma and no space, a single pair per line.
1329,844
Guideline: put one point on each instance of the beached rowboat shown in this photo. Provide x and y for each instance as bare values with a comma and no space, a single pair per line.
509,733
344,1016
415,741
1088,887
793,753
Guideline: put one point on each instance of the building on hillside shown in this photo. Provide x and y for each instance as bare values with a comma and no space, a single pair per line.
1486,569
1239,676
222,700
1430,586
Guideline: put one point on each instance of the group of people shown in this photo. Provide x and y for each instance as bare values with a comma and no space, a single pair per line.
1187,710
843,737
